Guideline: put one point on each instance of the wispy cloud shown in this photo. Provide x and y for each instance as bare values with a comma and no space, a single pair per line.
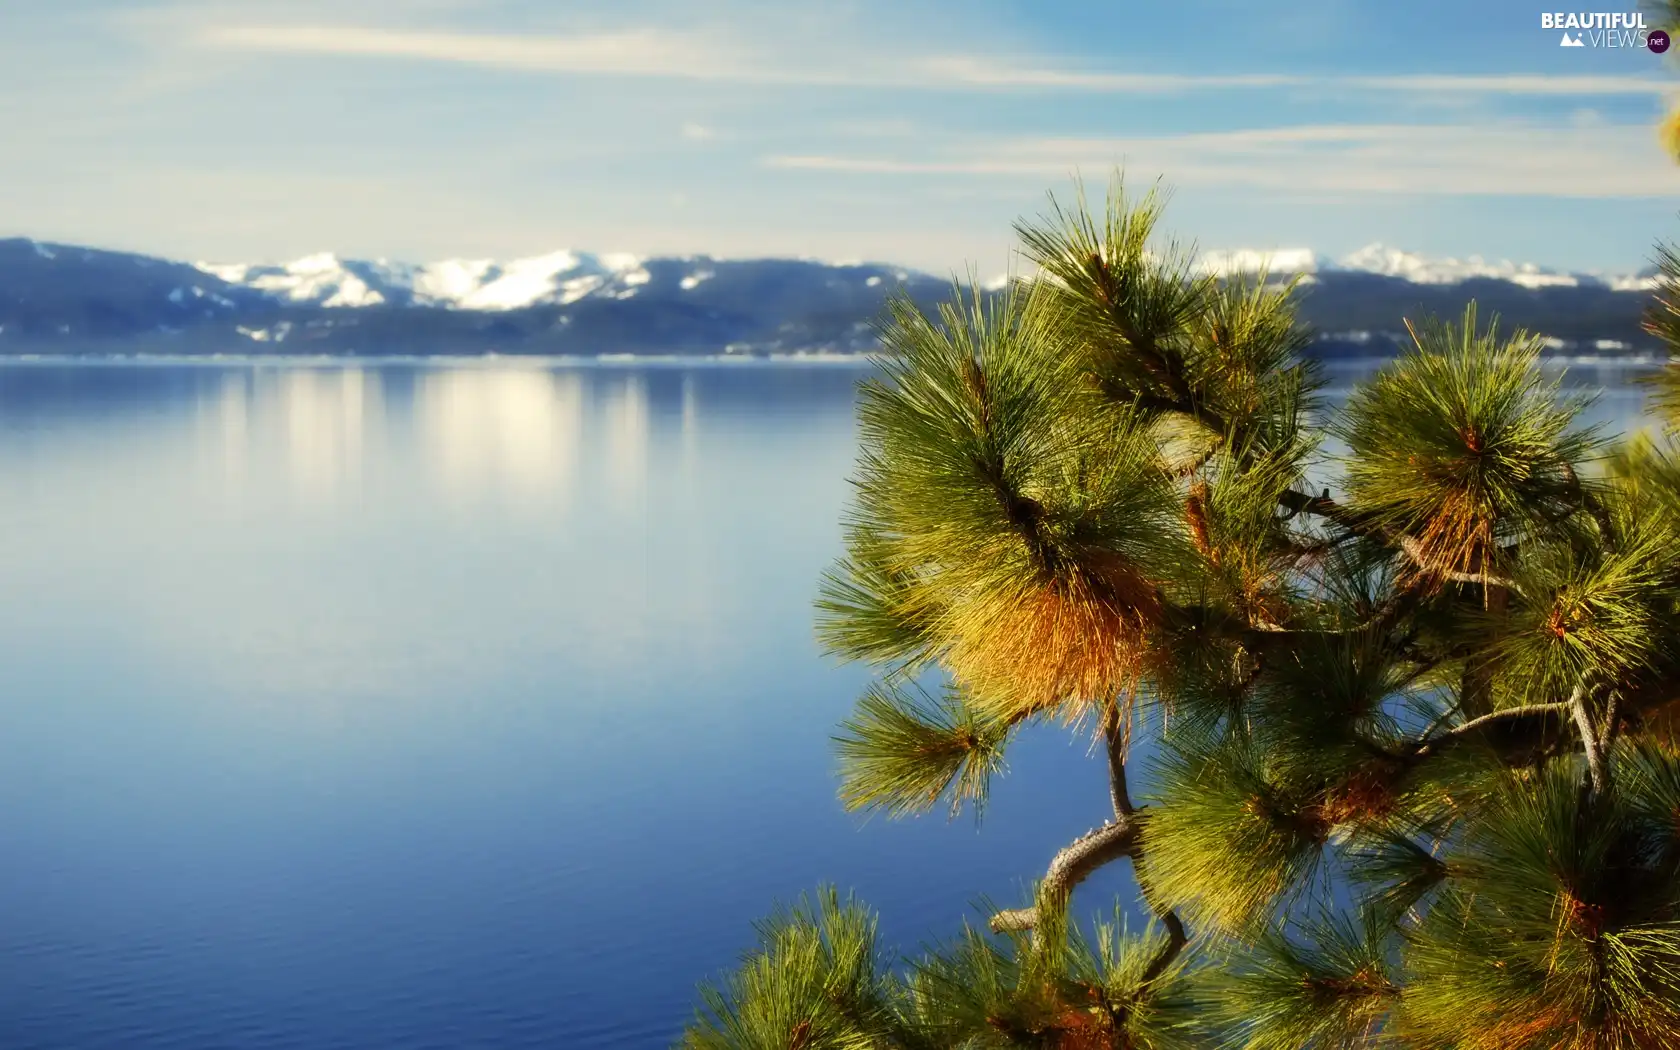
1512,84
638,52
966,71
1583,161
980,73
665,54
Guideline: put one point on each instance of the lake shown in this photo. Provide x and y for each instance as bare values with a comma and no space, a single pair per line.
441,706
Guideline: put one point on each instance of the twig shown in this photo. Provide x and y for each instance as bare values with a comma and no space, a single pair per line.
1363,525
1114,739
1612,721
1597,768
1177,938
1413,549
1432,744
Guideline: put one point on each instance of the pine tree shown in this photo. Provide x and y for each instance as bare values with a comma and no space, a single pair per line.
1417,781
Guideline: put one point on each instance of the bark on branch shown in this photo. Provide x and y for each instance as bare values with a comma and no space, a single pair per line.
1123,810
1177,937
1097,848
1497,721
1413,550
1071,866
1598,767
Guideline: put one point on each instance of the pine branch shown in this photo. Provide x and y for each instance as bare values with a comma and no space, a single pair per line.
1140,342
1413,549
1177,938
1515,734
1398,870
1593,505
1073,864
816,979
1324,507
1358,524
1556,927
1506,716
905,749
1612,721
1598,767
1331,986
1203,621
1114,746
1233,829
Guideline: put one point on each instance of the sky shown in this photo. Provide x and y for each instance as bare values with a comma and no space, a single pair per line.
913,132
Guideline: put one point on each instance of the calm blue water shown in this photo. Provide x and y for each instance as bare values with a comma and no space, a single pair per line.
438,707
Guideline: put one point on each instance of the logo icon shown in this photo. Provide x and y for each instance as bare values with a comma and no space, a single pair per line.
1657,41
1571,41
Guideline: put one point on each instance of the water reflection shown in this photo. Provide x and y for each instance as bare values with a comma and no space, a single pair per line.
690,411
514,430
311,425
624,433
324,415
231,413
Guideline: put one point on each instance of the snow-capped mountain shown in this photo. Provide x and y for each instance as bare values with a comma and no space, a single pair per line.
57,298
564,277
1282,261
1385,261
560,277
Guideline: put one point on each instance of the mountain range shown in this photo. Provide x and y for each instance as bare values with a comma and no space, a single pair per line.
57,298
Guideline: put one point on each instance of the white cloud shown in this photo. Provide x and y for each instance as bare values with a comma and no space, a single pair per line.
696,132
1510,84
666,54
978,72
1583,161
638,52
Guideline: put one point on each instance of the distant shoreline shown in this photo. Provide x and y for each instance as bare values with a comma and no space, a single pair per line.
455,360
856,360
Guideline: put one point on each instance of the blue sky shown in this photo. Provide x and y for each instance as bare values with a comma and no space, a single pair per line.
912,131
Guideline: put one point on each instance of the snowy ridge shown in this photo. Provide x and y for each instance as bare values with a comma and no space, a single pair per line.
460,284
1248,260
58,298
1385,261
1392,262
565,277
314,279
